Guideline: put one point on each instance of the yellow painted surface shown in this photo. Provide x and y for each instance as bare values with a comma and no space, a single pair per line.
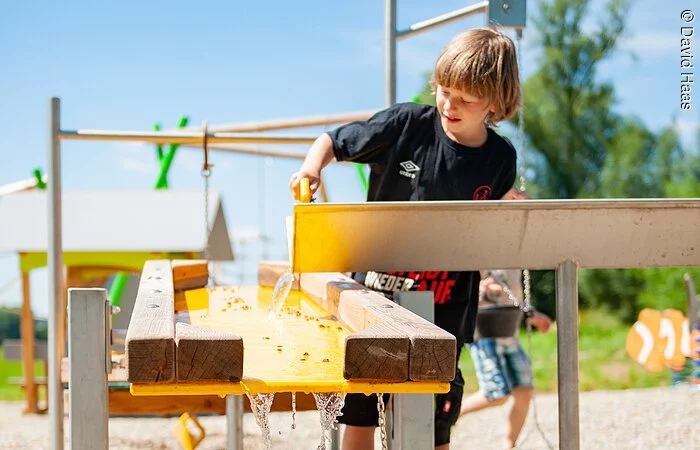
134,260
301,350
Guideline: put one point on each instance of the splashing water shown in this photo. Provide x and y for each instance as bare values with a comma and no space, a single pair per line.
260,405
280,293
294,410
329,408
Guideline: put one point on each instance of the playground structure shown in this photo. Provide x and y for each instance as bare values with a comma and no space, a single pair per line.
162,231
664,227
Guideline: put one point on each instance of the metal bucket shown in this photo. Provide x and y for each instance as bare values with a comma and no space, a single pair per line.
498,321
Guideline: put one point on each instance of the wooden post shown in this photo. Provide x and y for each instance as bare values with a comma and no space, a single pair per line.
28,357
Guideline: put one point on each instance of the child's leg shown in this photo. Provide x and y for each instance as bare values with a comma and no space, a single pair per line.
358,438
521,373
494,384
360,417
518,413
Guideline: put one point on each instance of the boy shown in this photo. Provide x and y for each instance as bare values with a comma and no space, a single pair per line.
420,152
502,366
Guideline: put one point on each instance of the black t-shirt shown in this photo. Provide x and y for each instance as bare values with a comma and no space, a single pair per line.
412,159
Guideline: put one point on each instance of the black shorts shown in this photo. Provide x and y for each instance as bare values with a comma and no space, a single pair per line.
361,410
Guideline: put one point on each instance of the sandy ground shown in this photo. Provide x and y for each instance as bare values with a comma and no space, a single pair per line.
665,418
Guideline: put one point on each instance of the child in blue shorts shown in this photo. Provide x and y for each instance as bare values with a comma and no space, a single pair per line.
502,367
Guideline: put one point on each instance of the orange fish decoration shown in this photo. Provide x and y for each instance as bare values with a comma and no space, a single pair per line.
659,339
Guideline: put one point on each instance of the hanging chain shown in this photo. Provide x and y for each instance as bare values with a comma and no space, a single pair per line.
206,174
527,306
522,169
382,421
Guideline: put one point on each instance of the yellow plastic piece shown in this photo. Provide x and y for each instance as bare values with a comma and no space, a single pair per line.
183,434
302,350
304,191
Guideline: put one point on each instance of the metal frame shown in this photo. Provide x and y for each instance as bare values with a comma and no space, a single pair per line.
55,241
541,234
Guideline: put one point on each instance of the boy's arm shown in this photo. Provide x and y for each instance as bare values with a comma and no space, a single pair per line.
319,156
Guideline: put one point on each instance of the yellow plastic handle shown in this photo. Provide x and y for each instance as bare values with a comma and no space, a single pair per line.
304,190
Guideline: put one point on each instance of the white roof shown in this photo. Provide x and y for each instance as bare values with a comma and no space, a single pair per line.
117,221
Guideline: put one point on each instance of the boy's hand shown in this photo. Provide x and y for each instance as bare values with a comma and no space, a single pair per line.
541,322
314,181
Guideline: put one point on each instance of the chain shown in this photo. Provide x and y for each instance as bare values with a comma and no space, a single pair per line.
206,174
382,421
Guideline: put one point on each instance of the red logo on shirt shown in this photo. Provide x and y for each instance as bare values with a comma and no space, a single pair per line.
447,406
482,193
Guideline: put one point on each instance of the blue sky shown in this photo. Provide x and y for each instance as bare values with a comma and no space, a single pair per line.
125,65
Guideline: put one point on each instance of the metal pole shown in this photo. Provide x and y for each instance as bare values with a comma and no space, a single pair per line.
234,422
184,137
389,52
443,19
413,415
55,264
88,353
567,354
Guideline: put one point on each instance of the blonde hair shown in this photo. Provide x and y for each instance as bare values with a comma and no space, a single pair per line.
482,62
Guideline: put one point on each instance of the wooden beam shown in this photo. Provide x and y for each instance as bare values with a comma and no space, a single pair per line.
122,403
297,122
388,339
150,339
270,271
28,350
190,274
207,354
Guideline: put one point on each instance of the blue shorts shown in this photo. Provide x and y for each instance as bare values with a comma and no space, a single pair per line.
501,365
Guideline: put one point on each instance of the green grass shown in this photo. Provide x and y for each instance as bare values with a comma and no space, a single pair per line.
9,369
603,360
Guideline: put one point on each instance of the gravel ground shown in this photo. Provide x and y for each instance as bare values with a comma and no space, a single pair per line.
664,418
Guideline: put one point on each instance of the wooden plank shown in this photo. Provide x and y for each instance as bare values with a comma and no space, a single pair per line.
185,284
375,350
207,354
377,353
432,351
270,271
190,274
122,403
188,268
150,338
29,350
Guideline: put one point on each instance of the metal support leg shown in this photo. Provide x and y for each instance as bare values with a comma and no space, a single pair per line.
414,414
88,356
389,52
234,422
335,438
567,355
55,265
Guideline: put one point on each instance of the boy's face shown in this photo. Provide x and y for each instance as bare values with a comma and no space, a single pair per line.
460,111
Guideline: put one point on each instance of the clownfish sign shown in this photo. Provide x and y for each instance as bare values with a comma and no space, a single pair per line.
660,338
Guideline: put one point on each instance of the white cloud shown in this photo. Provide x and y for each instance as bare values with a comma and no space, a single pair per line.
652,43
687,129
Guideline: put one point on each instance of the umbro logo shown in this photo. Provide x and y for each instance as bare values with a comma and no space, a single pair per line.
408,169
